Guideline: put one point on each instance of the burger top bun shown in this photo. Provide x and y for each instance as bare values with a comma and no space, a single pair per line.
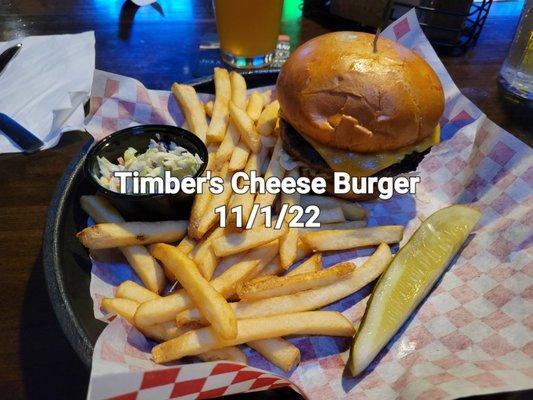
336,90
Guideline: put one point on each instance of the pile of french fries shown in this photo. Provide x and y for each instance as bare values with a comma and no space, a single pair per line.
229,286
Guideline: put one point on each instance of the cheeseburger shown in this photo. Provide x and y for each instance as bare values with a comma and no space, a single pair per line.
346,108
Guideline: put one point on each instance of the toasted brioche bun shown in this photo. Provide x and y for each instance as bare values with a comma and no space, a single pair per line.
336,90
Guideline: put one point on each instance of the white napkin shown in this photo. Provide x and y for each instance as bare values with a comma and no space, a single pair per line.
45,86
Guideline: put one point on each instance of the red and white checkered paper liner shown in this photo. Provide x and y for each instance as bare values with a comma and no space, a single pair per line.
471,336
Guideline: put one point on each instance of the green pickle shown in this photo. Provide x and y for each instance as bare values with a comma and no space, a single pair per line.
408,279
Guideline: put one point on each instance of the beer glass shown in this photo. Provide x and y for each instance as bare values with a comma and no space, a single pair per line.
248,31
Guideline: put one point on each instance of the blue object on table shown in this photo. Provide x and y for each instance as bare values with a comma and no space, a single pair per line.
26,140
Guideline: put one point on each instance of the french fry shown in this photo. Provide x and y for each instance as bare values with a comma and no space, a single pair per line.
122,307
274,268
209,108
352,238
255,105
352,211
245,126
144,265
192,108
232,353
308,323
212,304
239,157
186,245
267,96
246,268
327,216
201,200
282,285
109,235
335,226
310,299
238,90
303,250
268,119
133,291
203,254
274,169
210,217
312,264
288,244
220,115
228,145
199,251
278,351
166,308
237,242
246,200
126,309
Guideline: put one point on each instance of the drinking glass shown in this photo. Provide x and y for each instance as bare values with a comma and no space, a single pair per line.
248,31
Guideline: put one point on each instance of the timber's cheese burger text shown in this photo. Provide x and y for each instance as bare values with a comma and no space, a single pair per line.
347,108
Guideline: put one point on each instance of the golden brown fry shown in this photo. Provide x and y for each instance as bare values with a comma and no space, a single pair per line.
201,200
246,200
122,307
310,299
278,351
312,264
352,238
210,218
268,119
239,157
192,108
248,266
288,247
274,169
303,250
166,308
351,210
255,105
233,354
220,115
282,285
205,339
186,245
267,96
245,126
126,308
237,242
212,304
109,235
228,145
208,109
274,268
133,291
238,90
144,265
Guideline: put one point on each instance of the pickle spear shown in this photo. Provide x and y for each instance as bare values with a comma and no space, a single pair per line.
409,278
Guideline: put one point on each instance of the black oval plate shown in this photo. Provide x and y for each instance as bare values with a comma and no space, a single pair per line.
66,262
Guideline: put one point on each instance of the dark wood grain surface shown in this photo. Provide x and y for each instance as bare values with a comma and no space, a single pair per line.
157,45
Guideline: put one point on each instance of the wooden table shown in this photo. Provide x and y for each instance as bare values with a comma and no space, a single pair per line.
157,45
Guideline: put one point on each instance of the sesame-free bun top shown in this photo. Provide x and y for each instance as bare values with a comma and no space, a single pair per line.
336,90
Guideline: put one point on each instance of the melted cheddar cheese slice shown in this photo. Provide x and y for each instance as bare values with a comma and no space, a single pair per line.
360,164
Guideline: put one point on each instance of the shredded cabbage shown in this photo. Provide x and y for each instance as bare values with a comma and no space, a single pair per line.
157,159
